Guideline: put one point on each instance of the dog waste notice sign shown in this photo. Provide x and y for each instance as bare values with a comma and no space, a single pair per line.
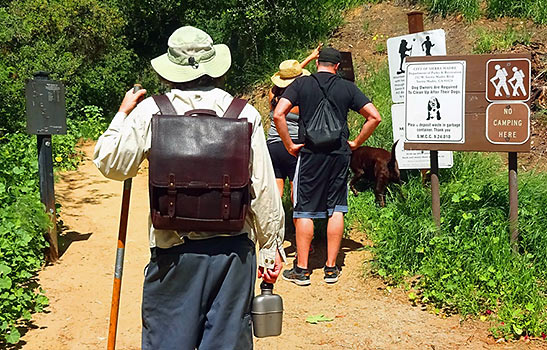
413,159
435,102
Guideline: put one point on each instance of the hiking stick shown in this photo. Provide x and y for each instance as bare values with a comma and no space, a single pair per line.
120,251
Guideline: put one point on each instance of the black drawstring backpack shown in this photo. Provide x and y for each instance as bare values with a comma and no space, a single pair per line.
324,130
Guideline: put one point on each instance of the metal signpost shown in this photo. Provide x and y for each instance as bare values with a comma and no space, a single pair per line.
46,115
417,43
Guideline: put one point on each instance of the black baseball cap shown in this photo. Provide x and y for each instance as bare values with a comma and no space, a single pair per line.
329,54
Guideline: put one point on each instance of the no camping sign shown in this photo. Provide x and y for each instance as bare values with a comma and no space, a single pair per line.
435,102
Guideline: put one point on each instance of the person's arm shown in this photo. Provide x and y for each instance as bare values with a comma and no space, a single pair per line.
280,120
312,56
370,113
122,147
266,208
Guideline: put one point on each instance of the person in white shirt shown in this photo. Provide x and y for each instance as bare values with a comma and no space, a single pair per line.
198,285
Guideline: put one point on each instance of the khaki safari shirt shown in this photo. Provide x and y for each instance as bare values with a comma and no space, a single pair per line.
126,143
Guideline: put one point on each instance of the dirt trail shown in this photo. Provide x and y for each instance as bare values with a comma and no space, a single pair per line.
79,286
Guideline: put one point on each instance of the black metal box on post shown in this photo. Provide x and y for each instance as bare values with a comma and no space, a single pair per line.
46,115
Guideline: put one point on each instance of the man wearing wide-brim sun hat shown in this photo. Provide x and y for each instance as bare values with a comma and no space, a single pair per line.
191,55
198,286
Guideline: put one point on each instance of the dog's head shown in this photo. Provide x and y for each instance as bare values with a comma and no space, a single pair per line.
433,104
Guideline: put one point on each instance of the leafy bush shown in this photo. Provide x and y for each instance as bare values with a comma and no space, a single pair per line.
78,42
259,33
468,266
22,223
471,9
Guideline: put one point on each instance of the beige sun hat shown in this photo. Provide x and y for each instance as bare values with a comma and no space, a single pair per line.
190,55
288,71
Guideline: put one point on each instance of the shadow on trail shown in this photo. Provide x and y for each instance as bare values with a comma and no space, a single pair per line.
67,237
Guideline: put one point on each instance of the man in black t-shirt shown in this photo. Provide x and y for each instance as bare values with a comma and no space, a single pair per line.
320,182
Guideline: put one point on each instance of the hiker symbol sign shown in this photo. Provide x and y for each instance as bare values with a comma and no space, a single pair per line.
508,79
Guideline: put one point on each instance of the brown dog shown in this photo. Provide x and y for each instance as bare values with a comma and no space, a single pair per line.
378,166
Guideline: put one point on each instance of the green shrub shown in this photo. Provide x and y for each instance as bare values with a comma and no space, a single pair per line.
22,224
259,33
78,42
469,8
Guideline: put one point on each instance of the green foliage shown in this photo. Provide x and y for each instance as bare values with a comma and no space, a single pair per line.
472,9
492,40
535,9
468,266
22,223
259,33
469,8
78,42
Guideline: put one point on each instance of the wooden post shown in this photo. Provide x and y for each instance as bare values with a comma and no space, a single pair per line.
416,25
513,201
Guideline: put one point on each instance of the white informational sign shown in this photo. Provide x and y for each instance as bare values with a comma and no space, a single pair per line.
435,102
413,159
429,43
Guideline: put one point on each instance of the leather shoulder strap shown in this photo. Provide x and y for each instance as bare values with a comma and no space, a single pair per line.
166,107
235,108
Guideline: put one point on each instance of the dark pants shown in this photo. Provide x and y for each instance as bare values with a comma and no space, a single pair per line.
199,294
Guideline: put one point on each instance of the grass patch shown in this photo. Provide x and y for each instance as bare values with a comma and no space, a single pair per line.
468,267
534,9
470,9
473,9
489,40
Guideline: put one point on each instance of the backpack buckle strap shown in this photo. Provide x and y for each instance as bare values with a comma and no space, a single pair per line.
226,197
171,196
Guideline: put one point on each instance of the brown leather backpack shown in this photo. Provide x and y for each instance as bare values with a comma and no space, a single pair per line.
199,169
